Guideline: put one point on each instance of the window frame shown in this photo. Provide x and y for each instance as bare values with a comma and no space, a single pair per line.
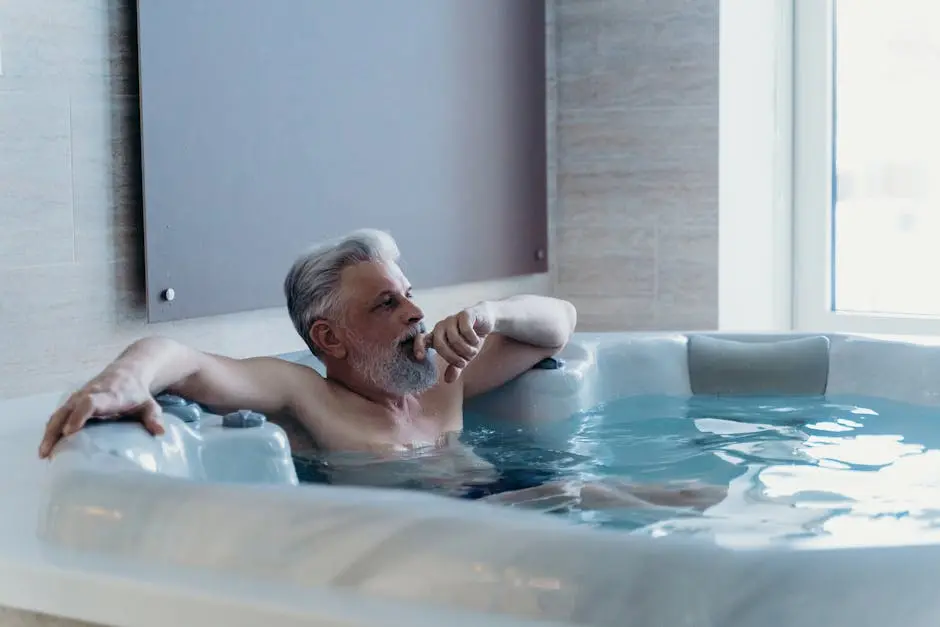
755,207
813,187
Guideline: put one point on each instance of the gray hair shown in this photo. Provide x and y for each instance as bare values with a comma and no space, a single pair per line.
312,285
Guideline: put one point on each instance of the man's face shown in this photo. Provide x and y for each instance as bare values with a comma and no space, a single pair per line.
380,322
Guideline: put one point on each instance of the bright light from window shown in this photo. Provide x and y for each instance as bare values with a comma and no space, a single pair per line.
886,222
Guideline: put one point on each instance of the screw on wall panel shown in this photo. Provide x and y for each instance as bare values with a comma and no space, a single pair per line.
169,294
540,254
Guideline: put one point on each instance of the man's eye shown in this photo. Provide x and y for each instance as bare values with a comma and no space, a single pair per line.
389,303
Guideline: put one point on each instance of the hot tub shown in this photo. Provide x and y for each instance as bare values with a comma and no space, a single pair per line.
212,509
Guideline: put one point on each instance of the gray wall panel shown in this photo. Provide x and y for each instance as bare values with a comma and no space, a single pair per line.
267,126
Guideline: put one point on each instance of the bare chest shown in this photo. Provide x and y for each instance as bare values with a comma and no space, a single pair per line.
357,427
358,446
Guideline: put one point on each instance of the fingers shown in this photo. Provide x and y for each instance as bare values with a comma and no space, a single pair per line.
84,409
421,346
459,337
66,420
75,413
445,346
54,430
456,341
455,363
466,330
151,414
461,346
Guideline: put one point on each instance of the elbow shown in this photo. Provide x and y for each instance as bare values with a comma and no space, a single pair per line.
152,343
571,313
567,322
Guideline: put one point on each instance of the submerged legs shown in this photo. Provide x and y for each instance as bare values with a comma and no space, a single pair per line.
612,494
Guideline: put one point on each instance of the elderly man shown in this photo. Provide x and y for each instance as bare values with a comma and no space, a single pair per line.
389,387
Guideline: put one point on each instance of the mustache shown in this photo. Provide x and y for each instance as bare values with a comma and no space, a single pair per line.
418,329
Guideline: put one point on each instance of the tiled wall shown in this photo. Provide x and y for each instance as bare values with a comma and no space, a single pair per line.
634,87
636,226
18,618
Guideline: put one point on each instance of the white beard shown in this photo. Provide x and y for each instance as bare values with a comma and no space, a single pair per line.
393,368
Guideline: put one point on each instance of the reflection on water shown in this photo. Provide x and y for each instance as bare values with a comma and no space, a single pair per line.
800,471
840,471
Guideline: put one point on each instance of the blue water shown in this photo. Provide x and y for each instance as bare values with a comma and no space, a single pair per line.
840,470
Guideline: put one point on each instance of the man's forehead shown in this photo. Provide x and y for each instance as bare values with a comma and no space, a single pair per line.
370,279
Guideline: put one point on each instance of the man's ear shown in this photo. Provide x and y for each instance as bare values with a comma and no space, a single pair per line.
325,338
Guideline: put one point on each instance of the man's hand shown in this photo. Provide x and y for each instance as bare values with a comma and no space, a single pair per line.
115,392
458,338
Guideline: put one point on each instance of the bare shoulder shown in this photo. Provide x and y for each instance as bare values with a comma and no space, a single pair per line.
265,384
305,393
302,386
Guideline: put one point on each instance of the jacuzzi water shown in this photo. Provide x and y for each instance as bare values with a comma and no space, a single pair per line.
855,469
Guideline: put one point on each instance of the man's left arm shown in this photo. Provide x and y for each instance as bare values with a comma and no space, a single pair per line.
525,330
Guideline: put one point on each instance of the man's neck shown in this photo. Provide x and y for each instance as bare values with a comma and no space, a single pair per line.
391,402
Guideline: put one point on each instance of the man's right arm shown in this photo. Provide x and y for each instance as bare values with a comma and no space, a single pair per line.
155,364
264,384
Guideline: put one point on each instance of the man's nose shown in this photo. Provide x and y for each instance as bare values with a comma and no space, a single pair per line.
413,313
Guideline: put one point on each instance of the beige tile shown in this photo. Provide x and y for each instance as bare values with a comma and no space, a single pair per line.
606,37
637,53
565,9
640,83
641,136
123,78
604,313
687,268
697,210
85,45
576,37
692,283
107,179
583,240
76,299
113,242
599,198
612,192
551,138
639,166
63,323
641,24
665,31
609,275
651,83
10,617
688,244
670,317
35,180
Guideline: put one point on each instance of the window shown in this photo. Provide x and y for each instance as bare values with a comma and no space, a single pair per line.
866,169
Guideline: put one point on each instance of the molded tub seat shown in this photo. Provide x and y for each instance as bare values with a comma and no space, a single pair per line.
182,501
